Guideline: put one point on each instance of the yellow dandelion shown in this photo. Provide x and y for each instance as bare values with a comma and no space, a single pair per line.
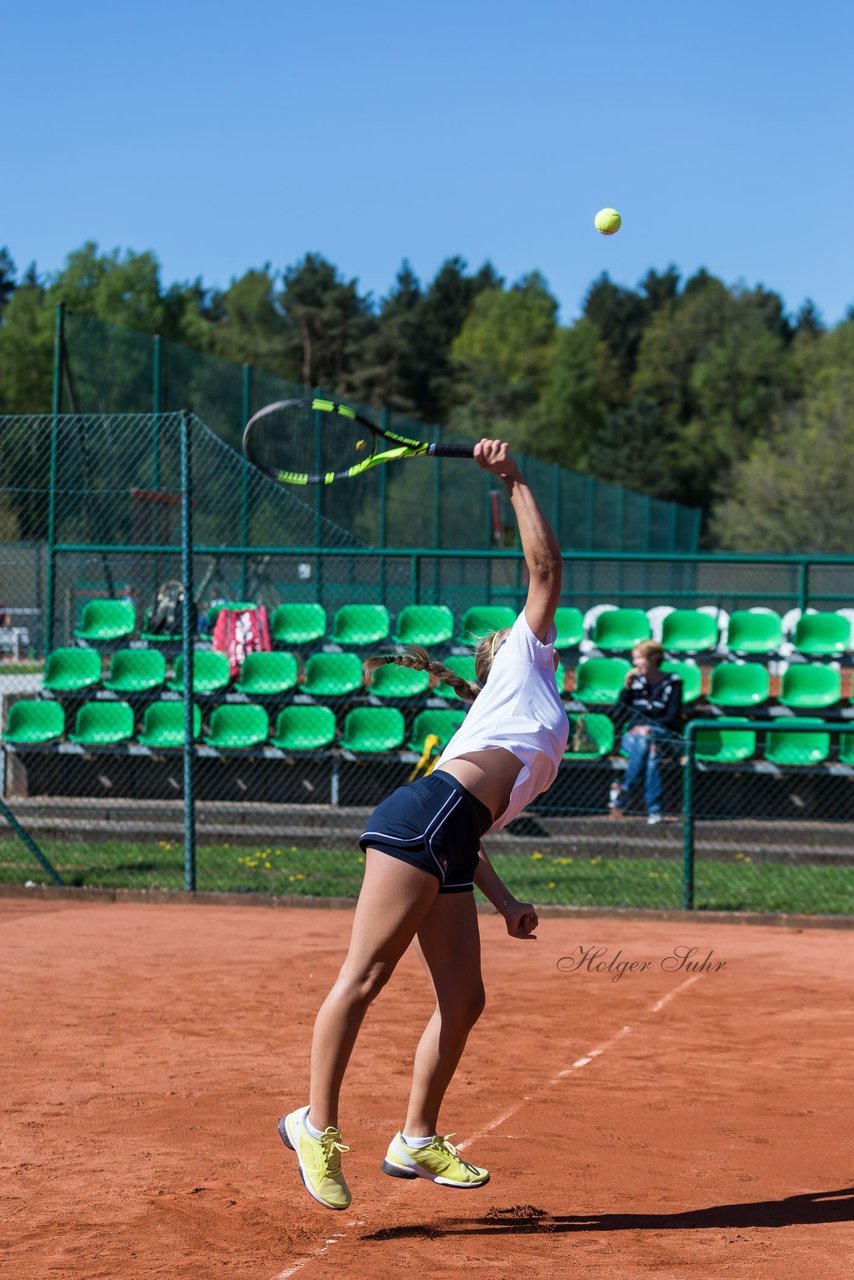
535,856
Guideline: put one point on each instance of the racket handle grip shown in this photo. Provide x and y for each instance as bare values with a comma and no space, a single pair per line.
451,450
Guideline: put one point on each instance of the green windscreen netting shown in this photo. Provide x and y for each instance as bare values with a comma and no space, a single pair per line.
417,504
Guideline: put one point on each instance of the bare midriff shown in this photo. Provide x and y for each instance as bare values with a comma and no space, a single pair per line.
489,775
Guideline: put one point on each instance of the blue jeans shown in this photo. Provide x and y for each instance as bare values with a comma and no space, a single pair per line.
643,751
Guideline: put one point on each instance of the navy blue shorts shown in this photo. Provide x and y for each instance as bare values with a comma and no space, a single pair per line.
433,823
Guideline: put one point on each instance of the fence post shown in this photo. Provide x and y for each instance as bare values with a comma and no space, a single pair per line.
56,410
688,822
187,653
156,384
382,531
437,498
246,409
803,584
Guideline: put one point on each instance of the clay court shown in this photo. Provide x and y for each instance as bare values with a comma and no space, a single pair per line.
667,1123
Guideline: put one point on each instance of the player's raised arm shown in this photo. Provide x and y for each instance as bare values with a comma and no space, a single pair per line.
539,544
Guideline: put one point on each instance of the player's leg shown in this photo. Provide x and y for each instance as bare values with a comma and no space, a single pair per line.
392,904
653,790
449,947
636,747
393,900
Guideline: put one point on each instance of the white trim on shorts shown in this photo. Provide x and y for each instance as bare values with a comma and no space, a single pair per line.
456,797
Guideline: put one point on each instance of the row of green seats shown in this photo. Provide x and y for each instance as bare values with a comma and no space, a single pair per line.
805,686
748,632
367,730
356,625
143,671
232,726
723,745
429,625
326,675
592,737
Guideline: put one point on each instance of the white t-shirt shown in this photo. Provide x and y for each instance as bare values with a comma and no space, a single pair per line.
519,709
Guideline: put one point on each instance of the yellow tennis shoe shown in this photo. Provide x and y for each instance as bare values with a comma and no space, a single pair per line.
319,1159
440,1162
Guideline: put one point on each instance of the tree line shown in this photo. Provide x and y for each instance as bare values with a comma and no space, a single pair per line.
685,389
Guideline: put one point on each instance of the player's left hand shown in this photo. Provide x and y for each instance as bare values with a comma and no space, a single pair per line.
494,456
521,920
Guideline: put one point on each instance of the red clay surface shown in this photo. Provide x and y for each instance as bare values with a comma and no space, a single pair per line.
148,1050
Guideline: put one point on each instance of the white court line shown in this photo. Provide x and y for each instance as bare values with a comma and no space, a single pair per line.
590,1056
310,1257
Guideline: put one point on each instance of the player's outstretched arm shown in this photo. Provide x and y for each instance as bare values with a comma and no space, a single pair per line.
519,917
539,544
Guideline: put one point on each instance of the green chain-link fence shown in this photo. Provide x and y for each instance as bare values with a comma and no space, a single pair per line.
106,367
102,782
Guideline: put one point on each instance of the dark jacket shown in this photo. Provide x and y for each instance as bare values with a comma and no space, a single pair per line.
660,704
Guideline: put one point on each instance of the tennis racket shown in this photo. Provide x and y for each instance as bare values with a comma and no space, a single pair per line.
320,441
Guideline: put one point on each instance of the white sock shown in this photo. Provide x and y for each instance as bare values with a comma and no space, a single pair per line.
417,1142
310,1129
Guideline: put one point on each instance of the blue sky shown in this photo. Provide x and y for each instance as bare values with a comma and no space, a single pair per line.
224,136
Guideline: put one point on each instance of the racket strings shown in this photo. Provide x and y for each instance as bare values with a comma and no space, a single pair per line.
296,438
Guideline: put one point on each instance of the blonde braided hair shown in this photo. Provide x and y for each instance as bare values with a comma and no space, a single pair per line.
418,659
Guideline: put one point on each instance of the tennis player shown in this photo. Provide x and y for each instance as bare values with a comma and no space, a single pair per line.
423,856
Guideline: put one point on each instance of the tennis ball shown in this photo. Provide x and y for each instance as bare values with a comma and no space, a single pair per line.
607,222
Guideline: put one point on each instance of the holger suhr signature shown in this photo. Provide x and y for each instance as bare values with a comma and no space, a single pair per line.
598,959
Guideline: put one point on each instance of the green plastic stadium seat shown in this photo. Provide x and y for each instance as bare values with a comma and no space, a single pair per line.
136,671
304,728
105,620
399,682
846,746
619,630
371,729
70,670
598,730
689,631
810,686
425,624
268,674
439,723
754,633
163,725
462,664
237,726
331,675
360,624
822,635
692,678
569,623
34,722
293,625
739,684
792,747
211,672
600,679
481,620
560,678
103,724
725,746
